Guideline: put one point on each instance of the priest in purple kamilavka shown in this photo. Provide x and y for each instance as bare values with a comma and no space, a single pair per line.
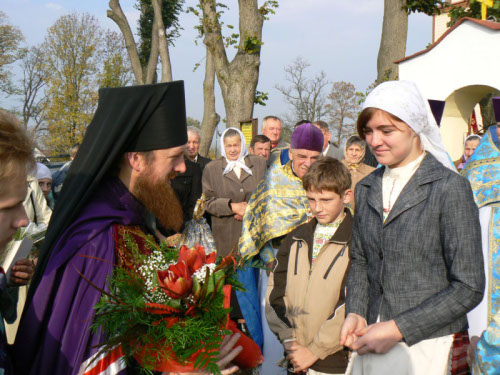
132,148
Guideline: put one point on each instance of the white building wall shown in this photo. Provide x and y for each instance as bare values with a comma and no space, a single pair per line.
463,58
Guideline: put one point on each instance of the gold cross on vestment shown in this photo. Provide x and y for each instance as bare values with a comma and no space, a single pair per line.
485,4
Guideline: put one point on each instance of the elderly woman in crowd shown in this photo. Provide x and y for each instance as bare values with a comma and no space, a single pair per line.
416,259
354,153
470,145
228,183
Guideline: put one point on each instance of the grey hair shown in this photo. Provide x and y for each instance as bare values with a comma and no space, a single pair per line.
355,140
195,130
231,133
473,137
264,121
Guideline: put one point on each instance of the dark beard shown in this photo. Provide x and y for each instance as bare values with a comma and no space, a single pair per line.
160,199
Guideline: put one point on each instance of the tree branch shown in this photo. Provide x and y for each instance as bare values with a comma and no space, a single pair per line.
117,15
153,55
213,40
210,117
166,67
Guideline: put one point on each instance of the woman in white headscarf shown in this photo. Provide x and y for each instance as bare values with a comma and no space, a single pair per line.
44,177
354,153
416,260
37,199
470,145
228,183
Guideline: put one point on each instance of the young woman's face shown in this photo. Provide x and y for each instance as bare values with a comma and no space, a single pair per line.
392,142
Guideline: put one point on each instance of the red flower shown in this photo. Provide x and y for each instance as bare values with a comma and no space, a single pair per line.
195,257
211,257
176,281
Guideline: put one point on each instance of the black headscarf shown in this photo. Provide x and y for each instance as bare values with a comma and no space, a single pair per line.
136,118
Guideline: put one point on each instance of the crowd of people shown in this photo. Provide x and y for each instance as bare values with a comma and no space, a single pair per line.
378,256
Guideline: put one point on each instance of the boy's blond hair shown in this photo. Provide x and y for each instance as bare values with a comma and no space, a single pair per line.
16,150
327,174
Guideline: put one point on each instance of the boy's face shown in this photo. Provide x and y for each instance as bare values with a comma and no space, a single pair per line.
12,213
327,206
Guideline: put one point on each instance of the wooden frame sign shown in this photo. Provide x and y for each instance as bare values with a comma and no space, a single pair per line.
249,129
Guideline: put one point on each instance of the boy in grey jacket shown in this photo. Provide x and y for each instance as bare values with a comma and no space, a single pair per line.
307,288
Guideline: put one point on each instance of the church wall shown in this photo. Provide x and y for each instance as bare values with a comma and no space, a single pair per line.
462,60
439,22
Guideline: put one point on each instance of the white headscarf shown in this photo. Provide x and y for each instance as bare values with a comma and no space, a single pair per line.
243,152
403,99
42,171
463,160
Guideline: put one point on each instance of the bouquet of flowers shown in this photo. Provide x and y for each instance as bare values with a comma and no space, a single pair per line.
168,308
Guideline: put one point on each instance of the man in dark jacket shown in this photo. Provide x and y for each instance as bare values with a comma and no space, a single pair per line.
193,147
60,174
187,186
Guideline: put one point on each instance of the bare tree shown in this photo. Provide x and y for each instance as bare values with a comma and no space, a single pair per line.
35,74
237,78
343,108
306,96
159,44
210,117
393,40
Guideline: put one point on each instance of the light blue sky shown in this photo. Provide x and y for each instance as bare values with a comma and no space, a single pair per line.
340,37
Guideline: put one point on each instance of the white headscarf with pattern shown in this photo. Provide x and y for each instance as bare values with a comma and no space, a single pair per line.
404,100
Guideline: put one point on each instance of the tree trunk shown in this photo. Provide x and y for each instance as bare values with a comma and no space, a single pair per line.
153,57
339,132
487,111
393,41
210,117
166,67
238,79
117,15
239,95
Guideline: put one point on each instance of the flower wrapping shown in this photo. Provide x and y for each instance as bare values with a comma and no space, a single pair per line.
168,309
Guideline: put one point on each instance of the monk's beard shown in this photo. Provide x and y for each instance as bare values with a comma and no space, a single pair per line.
160,199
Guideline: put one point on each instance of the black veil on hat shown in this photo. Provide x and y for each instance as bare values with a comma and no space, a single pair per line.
134,118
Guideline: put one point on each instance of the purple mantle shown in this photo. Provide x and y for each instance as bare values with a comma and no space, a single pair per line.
54,336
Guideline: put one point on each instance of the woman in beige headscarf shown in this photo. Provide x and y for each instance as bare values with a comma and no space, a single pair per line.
354,153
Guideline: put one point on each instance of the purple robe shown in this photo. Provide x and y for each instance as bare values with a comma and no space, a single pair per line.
54,335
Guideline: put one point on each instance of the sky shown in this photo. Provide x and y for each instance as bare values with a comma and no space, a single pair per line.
339,37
